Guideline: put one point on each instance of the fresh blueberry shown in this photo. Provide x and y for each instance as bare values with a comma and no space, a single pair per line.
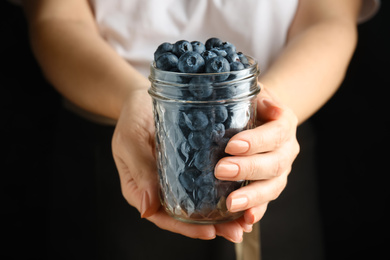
243,59
201,92
198,47
236,66
198,139
208,55
191,62
219,51
217,65
228,47
188,178
200,87
232,57
226,93
196,120
162,48
202,160
213,42
181,47
221,114
167,61
205,194
218,132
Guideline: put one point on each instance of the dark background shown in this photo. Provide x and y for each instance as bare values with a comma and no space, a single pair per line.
353,145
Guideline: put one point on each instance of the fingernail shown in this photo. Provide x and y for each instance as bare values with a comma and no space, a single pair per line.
268,102
226,170
145,204
247,228
237,204
237,146
237,241
274,110
208,237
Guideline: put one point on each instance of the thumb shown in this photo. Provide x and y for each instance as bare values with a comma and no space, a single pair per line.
268,110
139,183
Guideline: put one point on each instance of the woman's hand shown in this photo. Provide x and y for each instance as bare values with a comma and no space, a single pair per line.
263,155
133,150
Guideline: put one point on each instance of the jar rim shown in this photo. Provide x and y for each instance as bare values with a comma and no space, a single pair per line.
169,86
253,67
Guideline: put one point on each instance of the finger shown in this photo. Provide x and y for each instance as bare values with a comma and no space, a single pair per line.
246,227
166,222
232,231
255,214
268,110
138,175
258,166
255,194
264,138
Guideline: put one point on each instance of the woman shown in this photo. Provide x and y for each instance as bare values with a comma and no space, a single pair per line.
96,55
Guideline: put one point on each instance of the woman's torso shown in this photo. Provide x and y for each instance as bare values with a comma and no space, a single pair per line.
135,28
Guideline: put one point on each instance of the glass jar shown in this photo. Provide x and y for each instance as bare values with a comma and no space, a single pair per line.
195,117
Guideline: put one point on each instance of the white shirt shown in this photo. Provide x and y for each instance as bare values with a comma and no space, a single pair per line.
258,28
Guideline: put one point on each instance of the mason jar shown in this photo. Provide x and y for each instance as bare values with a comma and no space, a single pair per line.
195,117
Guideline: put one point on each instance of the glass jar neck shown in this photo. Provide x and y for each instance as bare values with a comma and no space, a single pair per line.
204,87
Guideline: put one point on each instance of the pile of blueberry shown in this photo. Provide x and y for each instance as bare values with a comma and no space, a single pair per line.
214,56
191,137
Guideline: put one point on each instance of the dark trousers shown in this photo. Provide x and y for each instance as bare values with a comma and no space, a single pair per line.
90,219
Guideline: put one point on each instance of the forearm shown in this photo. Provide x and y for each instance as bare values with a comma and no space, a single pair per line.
82,66
313,64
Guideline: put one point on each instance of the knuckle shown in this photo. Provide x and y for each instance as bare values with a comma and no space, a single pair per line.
279,187
259,140
252,170
279,135
279,167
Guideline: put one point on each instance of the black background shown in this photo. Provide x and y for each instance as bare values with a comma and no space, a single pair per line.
353,145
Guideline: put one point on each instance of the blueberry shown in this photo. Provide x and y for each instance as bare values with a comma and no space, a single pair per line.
213,42
202,160
191,62
201,92
197,139
208,55
162,48
236,66
200,87
205,194
187,179
217,65
226,93
218,132
219,51
221,114
228,47
167,61
198,47
181,47
243,59
232,57
196,120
